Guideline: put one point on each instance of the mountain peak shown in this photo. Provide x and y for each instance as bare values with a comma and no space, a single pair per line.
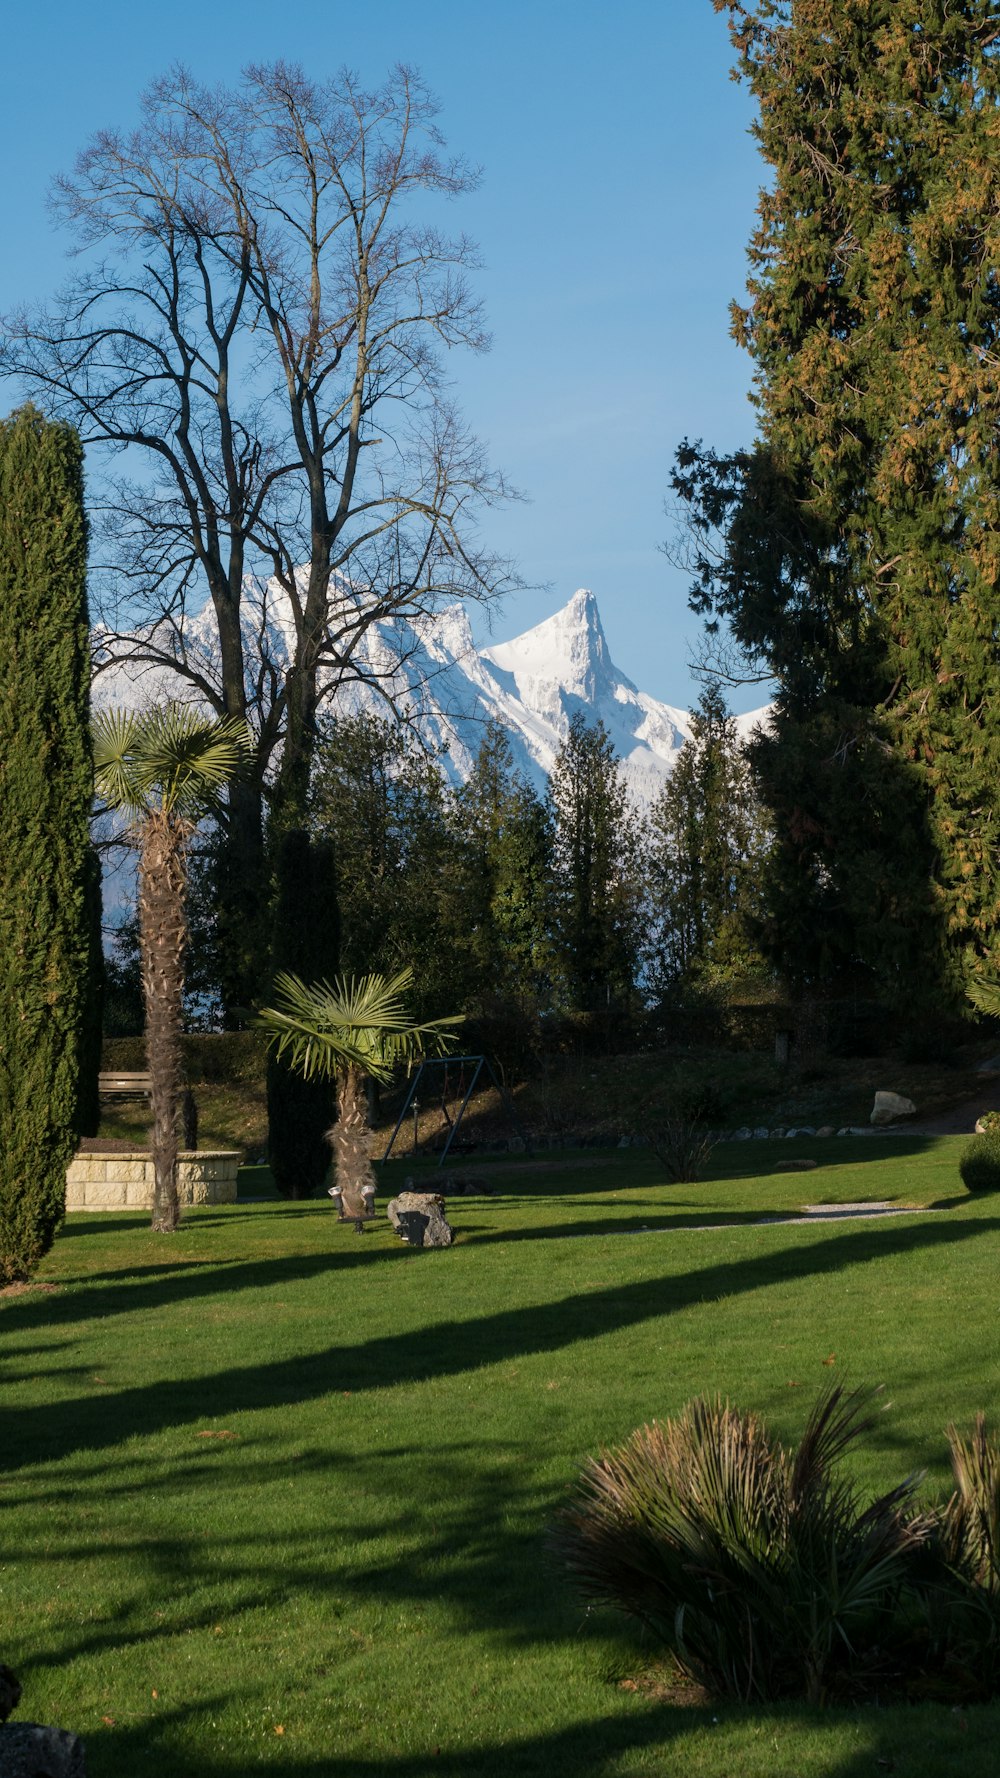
567,652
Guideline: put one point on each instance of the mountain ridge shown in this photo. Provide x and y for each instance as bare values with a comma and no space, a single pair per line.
431,670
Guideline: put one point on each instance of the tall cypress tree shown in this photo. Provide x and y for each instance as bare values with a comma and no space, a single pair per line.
863,533
306,943
46,786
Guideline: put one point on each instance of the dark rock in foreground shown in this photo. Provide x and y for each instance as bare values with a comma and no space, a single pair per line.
30,1750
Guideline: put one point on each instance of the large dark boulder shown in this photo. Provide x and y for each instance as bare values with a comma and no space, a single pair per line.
30,1750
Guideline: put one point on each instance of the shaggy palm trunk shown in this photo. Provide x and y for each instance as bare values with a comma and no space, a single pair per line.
352,1167
162,939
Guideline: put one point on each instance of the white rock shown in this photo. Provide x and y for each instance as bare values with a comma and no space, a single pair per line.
889,1107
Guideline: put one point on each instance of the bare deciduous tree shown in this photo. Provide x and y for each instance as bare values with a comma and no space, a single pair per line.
254,341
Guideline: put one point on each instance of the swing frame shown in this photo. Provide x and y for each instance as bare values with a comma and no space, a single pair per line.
446,1062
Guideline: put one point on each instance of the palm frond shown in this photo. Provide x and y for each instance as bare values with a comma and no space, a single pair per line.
318,1027
172,758
115,776
985,996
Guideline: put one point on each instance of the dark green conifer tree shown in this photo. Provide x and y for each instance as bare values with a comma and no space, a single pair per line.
306,943
380,797
507,892
704,848
597,888
46,786
862,535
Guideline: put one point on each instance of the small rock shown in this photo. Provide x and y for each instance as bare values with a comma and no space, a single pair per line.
801,1165
743,1134
30,1750
624,1141
890,1106
761,1134
825,1130
777,1135
990,1066
418,1217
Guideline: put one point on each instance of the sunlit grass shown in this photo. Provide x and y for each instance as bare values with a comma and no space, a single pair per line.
279,1495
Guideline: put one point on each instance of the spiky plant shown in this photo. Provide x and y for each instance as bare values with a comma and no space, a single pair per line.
349,1030
971,1519
962,1595
162,771
760,1570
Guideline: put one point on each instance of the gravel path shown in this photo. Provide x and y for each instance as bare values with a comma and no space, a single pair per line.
813,1213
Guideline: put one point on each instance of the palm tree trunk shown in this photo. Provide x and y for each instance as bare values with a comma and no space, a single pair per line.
162,934
352,1166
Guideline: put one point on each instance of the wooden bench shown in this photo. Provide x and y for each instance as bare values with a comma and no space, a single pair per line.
125,1086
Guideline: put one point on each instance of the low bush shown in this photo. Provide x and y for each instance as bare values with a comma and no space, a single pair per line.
762,1572
766,1575
979,1164
988,1124
680,1139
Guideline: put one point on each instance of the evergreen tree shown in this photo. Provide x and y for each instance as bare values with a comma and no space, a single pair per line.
705,843
862,536
301,1109
508,879
381,799
597,891
46,784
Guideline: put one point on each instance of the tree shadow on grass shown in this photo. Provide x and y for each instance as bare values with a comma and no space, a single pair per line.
478,1547
594,1748
448,1348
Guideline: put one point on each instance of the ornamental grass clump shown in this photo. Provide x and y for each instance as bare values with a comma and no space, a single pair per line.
762,1571
963,1599
979,1164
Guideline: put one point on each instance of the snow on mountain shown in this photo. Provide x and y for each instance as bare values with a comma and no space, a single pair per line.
432,668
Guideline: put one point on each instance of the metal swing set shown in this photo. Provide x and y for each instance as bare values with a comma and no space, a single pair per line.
478,1064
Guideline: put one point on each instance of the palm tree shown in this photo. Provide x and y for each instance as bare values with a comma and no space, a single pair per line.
163,770
350,1030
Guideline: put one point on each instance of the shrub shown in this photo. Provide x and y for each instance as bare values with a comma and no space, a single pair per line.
763,1572
680,1140
979,1165
988,1124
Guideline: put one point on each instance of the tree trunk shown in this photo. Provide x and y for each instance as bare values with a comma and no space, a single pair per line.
353,1169
162,934
243,904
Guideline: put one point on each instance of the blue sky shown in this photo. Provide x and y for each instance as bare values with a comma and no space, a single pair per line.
618,194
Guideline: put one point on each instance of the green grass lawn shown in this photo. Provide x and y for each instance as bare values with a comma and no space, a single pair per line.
276,1496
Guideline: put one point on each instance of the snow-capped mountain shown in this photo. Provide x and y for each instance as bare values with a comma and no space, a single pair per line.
532,685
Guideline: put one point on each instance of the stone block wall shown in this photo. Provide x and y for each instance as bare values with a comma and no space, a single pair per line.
125,1181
